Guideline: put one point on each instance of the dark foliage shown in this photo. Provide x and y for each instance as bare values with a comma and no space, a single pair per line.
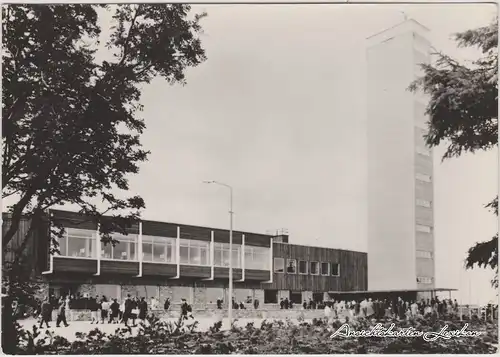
277,337
71,122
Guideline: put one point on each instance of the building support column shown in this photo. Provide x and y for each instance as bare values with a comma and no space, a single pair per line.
51,257
139,250
178,253
99,250
271,270
242,256
212,257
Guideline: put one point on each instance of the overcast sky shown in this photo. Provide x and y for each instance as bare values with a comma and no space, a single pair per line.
278,111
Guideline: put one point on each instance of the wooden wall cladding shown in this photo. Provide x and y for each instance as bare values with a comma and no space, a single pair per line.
73,220
257,275
119,267
223,273
36,248
353,269
152,269
195,271
71,265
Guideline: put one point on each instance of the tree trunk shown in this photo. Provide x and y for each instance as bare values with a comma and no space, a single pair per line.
17,215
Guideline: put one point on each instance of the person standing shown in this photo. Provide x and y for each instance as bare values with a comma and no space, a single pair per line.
45,312
68,302
135,310
114,310
104,309
369,308
93,310
121,311
166,306
184,309
61,314
127,309
143,309
414,309
219,304
256,304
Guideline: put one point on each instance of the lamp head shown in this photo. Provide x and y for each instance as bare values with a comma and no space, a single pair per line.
209,181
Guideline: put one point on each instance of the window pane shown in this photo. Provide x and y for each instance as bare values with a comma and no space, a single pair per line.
314,268
194,256
325,269
335,269
79,247
120,251
279,265
159,252
225,258
82,233
147,252
184,253
218,258
170,253
62,246
132,251
291,266
236,258
423,229
302,267
204,256
106,251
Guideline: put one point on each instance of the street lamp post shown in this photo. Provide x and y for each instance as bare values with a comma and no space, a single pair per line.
230,302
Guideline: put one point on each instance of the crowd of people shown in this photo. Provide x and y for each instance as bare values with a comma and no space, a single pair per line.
236,305
397,307
103,310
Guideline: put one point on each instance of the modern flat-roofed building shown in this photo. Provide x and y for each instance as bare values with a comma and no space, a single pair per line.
400,166
160,259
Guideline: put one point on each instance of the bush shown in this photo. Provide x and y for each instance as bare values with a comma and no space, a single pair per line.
277,337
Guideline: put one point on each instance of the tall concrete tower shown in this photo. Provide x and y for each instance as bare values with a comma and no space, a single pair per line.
400,166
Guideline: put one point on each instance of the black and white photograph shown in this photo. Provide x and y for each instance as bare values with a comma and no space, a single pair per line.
218,178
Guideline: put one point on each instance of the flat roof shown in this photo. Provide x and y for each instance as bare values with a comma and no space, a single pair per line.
390,291
410,20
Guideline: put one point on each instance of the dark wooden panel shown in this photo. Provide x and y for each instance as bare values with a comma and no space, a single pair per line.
153,269
195,271
69,265
159,229
222,236
353,269
223,273
79,221
119,267
257,240
198,233
73,219
31,241
257,275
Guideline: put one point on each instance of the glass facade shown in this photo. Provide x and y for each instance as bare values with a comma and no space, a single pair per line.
158,249
221,255
194,252
82,243
257,258
78,243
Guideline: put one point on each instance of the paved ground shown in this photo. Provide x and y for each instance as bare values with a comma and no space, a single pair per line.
86,326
